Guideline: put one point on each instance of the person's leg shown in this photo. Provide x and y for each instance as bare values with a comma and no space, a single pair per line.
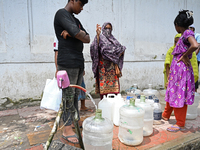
196,86
167,112
180,114
70,101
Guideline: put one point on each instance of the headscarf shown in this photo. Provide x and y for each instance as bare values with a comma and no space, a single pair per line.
109,48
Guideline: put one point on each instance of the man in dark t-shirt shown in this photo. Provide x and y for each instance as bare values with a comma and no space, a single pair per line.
71,35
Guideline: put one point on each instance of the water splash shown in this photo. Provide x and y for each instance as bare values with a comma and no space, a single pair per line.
91,99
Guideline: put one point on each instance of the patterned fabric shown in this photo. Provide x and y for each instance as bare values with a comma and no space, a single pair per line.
181,87
109,48
169,58
107,80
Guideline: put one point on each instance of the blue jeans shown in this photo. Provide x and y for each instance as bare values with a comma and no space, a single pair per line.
70,95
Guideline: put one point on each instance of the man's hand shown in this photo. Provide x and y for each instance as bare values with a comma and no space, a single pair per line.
185,60
65,34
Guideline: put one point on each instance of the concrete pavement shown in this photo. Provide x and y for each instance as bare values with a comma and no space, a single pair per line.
29,127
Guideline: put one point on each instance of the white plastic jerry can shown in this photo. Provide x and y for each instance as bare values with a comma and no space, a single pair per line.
119,102
106,105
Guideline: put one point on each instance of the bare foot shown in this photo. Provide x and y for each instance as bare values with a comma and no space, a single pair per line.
86,109
164,118
69,132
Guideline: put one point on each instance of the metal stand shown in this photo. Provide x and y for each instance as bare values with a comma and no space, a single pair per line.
68,105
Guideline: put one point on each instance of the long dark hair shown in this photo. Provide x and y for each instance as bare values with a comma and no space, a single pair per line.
184,18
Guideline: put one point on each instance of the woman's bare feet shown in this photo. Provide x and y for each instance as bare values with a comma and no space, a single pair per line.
164,118
86,109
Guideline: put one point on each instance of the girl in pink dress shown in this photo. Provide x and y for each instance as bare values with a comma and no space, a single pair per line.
181,86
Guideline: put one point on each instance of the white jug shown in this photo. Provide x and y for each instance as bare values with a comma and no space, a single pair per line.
148,116
192,109
131,124
106,105
97,132
117,104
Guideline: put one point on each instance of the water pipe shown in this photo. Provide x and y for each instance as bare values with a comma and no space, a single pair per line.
77,86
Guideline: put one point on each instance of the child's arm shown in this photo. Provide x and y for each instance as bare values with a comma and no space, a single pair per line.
167,73
191,49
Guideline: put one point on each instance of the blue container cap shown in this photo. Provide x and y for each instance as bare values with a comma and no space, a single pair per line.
150,97
128,97
156,100
138,97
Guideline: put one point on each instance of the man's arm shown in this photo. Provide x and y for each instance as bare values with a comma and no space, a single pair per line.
69,24
56,53
82,36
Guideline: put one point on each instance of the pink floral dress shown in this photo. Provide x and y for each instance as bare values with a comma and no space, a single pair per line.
181,87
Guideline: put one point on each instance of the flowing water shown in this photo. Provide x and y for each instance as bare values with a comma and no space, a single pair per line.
91,99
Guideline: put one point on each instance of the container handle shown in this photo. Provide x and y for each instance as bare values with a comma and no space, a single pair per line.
111,96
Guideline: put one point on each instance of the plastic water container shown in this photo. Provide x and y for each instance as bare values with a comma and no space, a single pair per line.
150,100
137,100
148,116
134,91
97,132
157,112
192,109
106,105
131,124
128,99
161,98
150,91
119,102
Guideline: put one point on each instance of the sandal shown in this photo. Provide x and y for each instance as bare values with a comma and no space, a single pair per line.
176,129
70,136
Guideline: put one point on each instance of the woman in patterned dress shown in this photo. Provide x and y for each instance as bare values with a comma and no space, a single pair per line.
181,86
107,60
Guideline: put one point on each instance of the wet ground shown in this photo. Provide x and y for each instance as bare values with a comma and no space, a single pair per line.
29,127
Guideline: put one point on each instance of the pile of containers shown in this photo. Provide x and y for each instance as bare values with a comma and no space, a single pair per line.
135,118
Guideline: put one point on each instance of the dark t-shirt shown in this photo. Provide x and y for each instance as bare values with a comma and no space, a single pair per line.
69,50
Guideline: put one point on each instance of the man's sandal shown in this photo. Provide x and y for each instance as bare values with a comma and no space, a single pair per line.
71,136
